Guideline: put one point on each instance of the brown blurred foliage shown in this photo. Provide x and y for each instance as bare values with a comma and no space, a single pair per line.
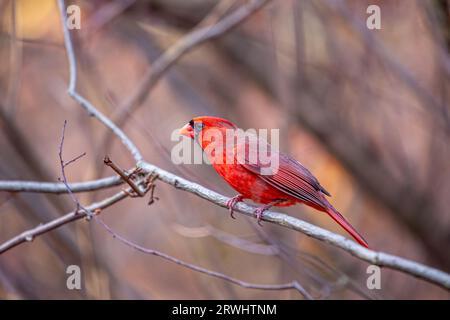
367,111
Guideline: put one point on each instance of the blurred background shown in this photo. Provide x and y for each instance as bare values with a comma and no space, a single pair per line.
366,110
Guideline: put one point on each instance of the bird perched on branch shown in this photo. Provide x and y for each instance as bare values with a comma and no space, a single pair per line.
258,172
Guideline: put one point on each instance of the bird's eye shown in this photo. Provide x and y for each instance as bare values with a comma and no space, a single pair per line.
191,123
198,126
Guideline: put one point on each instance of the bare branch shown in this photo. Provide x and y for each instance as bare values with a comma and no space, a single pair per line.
74,159
125,177
31,234
63,166
59,188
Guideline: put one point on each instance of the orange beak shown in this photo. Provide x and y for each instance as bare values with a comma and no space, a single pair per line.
187,131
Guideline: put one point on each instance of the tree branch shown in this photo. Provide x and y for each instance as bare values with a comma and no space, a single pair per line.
31,234
59,187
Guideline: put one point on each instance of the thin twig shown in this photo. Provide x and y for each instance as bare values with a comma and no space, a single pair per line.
126,177
31,234
59,188
74,159
63,165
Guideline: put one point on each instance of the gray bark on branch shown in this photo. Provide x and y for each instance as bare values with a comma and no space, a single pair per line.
59,187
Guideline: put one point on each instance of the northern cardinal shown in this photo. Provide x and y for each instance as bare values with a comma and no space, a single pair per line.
289,183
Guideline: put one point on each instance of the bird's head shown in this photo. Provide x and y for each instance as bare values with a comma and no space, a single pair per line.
198,125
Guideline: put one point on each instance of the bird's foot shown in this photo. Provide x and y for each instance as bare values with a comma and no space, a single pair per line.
232,202
260,210
259,213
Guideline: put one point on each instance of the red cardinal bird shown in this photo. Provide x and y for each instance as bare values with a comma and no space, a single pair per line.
289,183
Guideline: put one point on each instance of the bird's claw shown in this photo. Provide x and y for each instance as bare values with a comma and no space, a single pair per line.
260,210
232,202
259,213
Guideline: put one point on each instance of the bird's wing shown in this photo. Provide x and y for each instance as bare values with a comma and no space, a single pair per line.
292,178
284,172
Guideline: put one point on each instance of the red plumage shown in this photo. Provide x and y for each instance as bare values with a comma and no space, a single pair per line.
239,163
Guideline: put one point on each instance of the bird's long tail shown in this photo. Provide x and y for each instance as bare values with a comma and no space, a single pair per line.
339,218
